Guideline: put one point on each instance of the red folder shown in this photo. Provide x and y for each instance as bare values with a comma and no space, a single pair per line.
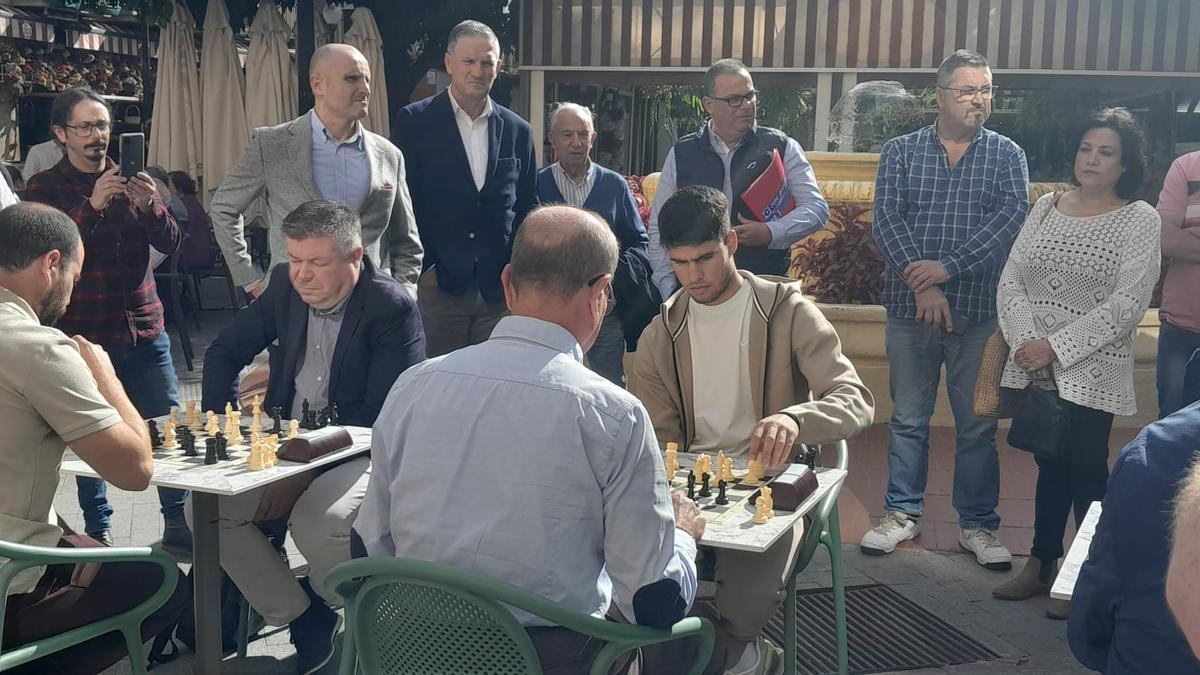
768,196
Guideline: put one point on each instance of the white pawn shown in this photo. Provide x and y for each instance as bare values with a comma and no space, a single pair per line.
764,507
235,427
754,472
293,429
212,426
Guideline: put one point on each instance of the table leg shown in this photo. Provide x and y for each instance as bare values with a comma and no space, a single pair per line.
206,563
789,627
834,533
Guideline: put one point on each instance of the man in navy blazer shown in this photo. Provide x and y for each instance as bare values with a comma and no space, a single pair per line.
471,170
346,330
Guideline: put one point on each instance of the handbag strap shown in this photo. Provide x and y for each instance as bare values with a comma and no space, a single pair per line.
1053,203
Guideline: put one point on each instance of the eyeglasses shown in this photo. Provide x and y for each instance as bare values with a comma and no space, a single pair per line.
581,136
608,292
964,94
86,130
737,100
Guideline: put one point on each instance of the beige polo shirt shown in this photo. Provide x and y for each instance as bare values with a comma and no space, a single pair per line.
48,398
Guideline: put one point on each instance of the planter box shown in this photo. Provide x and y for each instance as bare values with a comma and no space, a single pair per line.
861,329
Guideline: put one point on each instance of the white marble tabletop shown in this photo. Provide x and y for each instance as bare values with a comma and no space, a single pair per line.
225,477
1068,574
734,530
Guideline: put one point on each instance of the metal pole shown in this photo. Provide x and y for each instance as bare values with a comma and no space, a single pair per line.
206,566
147,78
305,44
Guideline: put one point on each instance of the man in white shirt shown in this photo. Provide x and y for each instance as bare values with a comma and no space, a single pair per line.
41,157
7,196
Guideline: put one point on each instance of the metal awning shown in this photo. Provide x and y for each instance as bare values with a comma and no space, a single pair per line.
112,38
21,25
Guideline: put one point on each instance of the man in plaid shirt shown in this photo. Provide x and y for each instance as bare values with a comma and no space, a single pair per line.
115,303
949,201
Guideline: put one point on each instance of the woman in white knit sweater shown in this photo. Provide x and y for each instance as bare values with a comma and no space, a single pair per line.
1077,282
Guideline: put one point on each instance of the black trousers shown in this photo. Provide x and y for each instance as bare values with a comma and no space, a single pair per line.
1073,480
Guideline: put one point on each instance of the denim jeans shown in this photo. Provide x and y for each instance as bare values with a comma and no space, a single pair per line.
148,375
916,353
607,355
1175,349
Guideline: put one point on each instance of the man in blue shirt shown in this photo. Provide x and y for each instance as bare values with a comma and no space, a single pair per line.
949,201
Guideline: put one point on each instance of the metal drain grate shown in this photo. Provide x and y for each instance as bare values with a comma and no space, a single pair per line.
886,632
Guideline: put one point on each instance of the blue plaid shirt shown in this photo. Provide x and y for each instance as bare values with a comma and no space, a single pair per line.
966,218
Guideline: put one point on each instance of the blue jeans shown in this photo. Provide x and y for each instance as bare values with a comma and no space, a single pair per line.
607,355
916,353
1175,349
148,375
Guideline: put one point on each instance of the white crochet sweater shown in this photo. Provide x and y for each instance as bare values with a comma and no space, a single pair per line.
1083,284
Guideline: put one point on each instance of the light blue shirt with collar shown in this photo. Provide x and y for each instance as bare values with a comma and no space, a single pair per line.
510,458
340,169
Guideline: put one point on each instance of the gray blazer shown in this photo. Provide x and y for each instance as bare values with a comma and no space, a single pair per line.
277,165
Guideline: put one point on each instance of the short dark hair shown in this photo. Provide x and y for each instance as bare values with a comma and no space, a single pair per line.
30,231
962,58
719,68
324,218
64,103
561,249
1133,147
182,182
693,215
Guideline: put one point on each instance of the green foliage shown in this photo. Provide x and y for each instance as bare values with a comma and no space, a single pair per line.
1045,125
886,120
787,109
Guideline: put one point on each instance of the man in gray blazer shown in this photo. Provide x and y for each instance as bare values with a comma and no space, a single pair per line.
323,154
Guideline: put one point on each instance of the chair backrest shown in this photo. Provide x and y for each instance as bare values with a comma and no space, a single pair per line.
409,625
820,515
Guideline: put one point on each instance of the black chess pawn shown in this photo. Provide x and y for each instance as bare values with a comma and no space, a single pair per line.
155,438
691,482
721,498
705,490
210,450
305,416
277,418
334,415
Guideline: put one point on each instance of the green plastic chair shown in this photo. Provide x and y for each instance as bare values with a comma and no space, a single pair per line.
128,623
411,616
824,529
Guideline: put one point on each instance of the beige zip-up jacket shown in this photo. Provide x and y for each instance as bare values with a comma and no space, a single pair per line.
796,367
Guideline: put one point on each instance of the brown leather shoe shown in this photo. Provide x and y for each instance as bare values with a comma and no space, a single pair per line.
1026,584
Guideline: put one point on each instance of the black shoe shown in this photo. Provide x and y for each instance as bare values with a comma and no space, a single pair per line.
313,633
104,537
177,538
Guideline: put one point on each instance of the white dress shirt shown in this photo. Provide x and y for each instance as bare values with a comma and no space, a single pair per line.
474,134
7,196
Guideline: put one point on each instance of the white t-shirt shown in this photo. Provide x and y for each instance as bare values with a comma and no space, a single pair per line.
720,341
7,197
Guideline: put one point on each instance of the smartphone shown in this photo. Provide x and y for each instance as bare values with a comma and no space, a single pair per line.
958,323
133,154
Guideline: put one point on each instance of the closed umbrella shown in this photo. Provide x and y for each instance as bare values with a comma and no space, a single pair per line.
223,130
364,34
270,73
175,130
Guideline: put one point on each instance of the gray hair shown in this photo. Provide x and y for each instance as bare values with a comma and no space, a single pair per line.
323,218
583,111
963,58
722,67
560,249
471,29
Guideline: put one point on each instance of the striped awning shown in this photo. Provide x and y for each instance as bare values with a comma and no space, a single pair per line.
20,25
1144,36
107,38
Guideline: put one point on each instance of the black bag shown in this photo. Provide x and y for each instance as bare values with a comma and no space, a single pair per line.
1041,423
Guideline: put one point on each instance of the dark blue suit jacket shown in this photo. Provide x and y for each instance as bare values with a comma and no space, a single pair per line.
467,233
1120,621
381,336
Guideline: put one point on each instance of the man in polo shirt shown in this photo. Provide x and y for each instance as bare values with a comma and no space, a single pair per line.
1179,334
56,390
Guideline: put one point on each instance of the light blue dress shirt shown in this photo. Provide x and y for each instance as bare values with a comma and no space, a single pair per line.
340,169
512,459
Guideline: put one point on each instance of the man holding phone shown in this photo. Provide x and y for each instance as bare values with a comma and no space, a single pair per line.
949,201
116,302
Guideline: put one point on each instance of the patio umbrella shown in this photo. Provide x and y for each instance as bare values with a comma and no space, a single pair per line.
175,131
270,73
223,127
364,34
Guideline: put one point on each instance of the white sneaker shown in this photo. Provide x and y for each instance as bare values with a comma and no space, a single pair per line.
988,550
761,657
893,529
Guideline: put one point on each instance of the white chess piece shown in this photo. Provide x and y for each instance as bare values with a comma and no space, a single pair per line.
764,506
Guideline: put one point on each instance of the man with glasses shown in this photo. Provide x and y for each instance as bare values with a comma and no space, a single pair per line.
575,180
760,170
116,302
949,201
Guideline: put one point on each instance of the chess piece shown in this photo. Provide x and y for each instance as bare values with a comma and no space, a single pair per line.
672,462
210,450
255,458
335,417
212,426
754,471
322,418
703,465
763,506
254,437
152,427
173,414
726,471
222,447
721,499
272,444
189,443
277,418
256,405
691,483
719,467
304,415
169,439
255,424
293,429
236,428
228,408
705,489
672,445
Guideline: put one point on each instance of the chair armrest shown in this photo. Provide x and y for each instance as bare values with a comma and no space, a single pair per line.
24,556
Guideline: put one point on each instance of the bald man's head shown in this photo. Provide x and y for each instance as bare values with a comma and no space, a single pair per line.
340,78
1183,574
562,249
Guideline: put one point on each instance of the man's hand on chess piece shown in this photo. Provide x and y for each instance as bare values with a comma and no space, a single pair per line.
281,496
772,439
687,515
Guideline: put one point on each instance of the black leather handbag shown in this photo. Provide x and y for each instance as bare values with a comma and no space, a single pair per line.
1041,423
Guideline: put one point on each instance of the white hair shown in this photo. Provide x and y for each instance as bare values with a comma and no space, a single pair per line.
583,111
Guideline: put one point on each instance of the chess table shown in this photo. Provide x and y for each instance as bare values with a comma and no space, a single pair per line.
208,483
1068,574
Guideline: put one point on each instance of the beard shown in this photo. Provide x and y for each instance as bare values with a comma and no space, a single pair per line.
54,305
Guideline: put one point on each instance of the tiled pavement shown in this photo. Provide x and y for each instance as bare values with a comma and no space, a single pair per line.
928,571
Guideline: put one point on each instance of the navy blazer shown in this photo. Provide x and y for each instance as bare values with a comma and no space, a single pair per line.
381,336
467,232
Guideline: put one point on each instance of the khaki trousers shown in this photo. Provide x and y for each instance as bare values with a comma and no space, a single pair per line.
320,526
454,321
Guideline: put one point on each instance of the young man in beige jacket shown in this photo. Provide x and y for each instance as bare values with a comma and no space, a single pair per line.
772,375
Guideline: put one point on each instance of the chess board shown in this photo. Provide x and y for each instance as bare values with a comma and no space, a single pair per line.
737,492
238,453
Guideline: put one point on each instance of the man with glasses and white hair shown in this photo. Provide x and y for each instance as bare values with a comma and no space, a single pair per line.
577,181
949,201
760,170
